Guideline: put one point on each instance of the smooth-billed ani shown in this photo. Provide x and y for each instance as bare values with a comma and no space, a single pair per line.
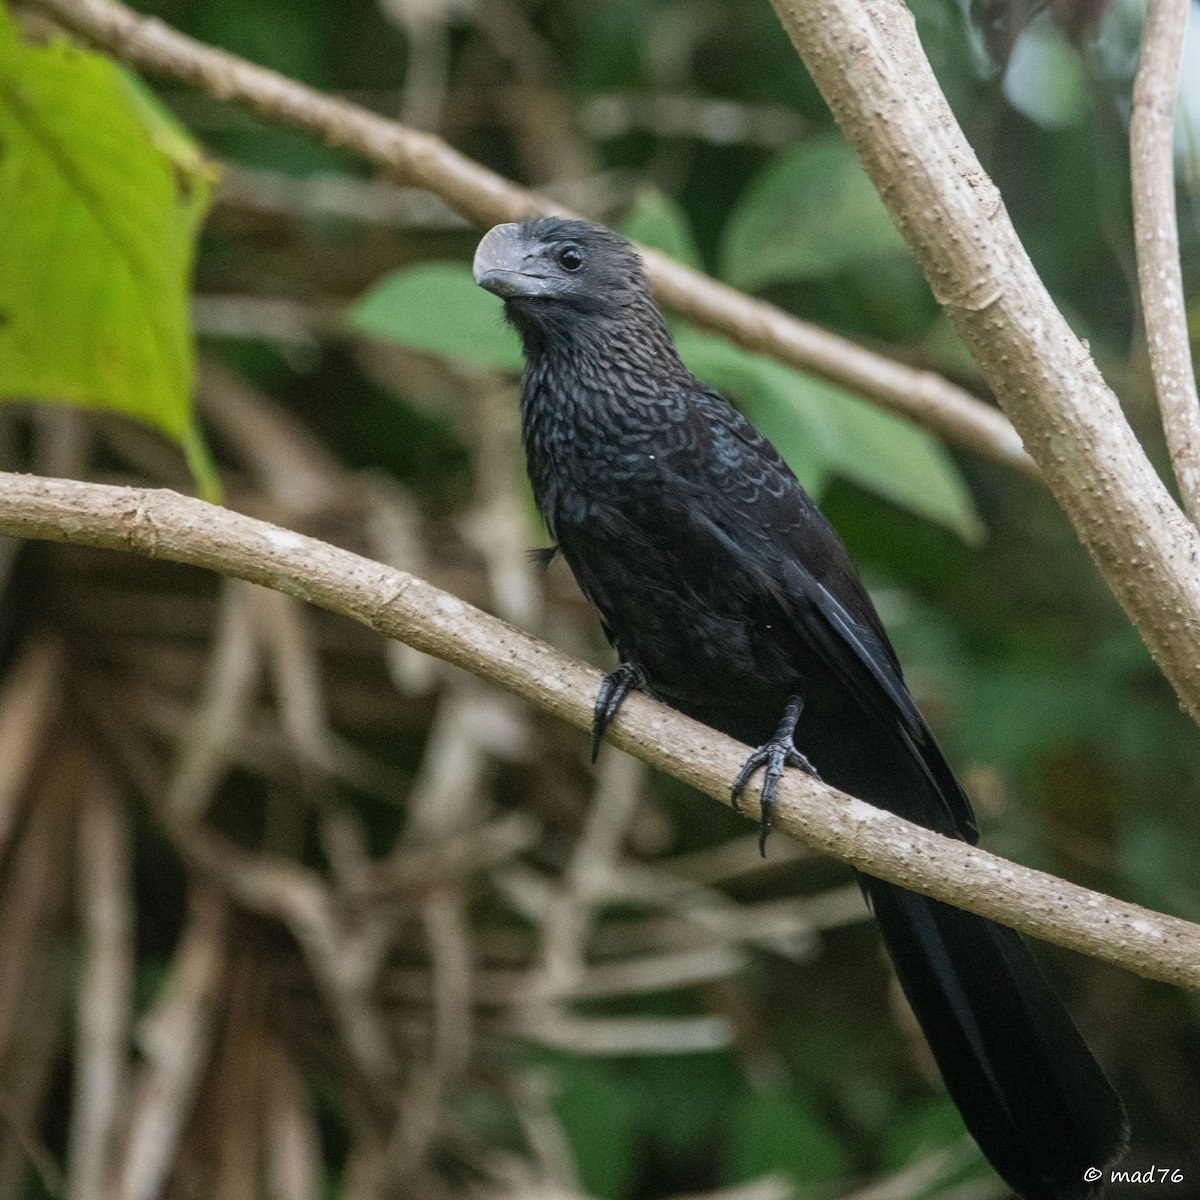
727,595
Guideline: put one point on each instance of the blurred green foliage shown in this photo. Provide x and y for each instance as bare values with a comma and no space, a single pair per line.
811,214
102,195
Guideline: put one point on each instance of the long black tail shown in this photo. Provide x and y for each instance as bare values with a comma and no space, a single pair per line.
1027,1086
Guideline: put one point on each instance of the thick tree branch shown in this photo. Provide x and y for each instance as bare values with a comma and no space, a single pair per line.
1160,279
484,197
865,57
164,524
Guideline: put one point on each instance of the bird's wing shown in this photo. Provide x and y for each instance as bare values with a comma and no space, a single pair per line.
753,499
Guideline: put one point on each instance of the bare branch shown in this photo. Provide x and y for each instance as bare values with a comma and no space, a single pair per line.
424,866
224,708
293,1141
34,887
565,929
421,160
549,1025
105,999
163,524
1152,166
177,1040
329,194
866,58
28,703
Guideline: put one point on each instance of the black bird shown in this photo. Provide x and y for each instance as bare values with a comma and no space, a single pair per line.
727,594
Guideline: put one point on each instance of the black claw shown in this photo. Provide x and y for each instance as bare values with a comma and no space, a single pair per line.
774,756
616,686
751,765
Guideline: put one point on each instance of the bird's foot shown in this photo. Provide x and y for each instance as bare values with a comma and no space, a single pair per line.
773,756
617,685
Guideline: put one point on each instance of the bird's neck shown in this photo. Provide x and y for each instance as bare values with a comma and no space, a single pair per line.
585,368
592,389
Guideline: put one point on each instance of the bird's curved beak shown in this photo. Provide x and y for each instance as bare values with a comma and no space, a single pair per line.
505,265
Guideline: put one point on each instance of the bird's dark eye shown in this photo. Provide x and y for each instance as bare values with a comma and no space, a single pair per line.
570,258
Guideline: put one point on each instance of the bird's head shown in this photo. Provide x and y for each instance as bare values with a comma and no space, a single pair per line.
558,275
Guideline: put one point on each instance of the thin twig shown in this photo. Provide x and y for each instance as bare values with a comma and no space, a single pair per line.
343,957
177,1039
33,986
260,745
294,325
282,629
293,1141
233,1152
205,750
414,869
33,883
565,928
163,524
28,702
1156,235
498,525
486,198
105,997
657,972
547,1139
300,474
446,799
549,1025
325,194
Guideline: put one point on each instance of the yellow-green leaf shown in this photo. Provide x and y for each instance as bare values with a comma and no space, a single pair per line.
101,200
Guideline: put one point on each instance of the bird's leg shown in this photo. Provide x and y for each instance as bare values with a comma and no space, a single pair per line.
617,685
774,755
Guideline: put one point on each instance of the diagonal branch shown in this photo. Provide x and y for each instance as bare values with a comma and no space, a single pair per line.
164,524
1160,278
421,160
866,58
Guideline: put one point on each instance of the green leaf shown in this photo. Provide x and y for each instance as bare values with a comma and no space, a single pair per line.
437,308
659,222
812,213
101,199
686,1098
919,1130
776,1131
1046,80
598,1112
897,460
